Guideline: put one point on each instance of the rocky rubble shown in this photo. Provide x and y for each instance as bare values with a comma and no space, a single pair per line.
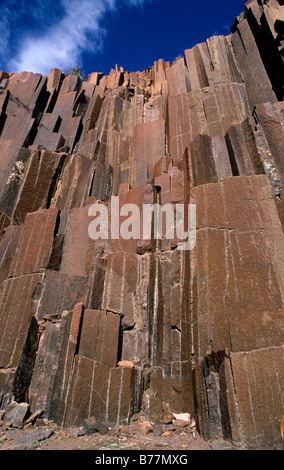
107,329
37,433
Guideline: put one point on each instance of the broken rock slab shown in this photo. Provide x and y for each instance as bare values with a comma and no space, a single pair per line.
221,445
92,425
16,414
26,440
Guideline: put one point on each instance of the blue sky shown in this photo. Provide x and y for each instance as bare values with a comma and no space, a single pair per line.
98,34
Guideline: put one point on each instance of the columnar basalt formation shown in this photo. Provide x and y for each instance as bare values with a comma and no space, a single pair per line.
203,328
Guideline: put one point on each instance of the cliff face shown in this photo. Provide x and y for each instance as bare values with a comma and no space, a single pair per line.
204,328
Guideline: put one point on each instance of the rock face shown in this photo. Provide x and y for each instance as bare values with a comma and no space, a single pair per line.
104,328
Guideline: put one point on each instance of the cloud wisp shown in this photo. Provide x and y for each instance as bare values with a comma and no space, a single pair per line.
78,29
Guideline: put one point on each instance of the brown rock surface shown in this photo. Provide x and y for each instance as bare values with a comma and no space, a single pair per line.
102,331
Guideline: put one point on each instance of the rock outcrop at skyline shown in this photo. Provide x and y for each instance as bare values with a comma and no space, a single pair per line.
204,328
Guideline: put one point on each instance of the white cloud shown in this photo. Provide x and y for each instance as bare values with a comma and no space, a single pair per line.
4,34
61,45
5,30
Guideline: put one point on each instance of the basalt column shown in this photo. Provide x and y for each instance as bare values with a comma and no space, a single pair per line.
106,327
